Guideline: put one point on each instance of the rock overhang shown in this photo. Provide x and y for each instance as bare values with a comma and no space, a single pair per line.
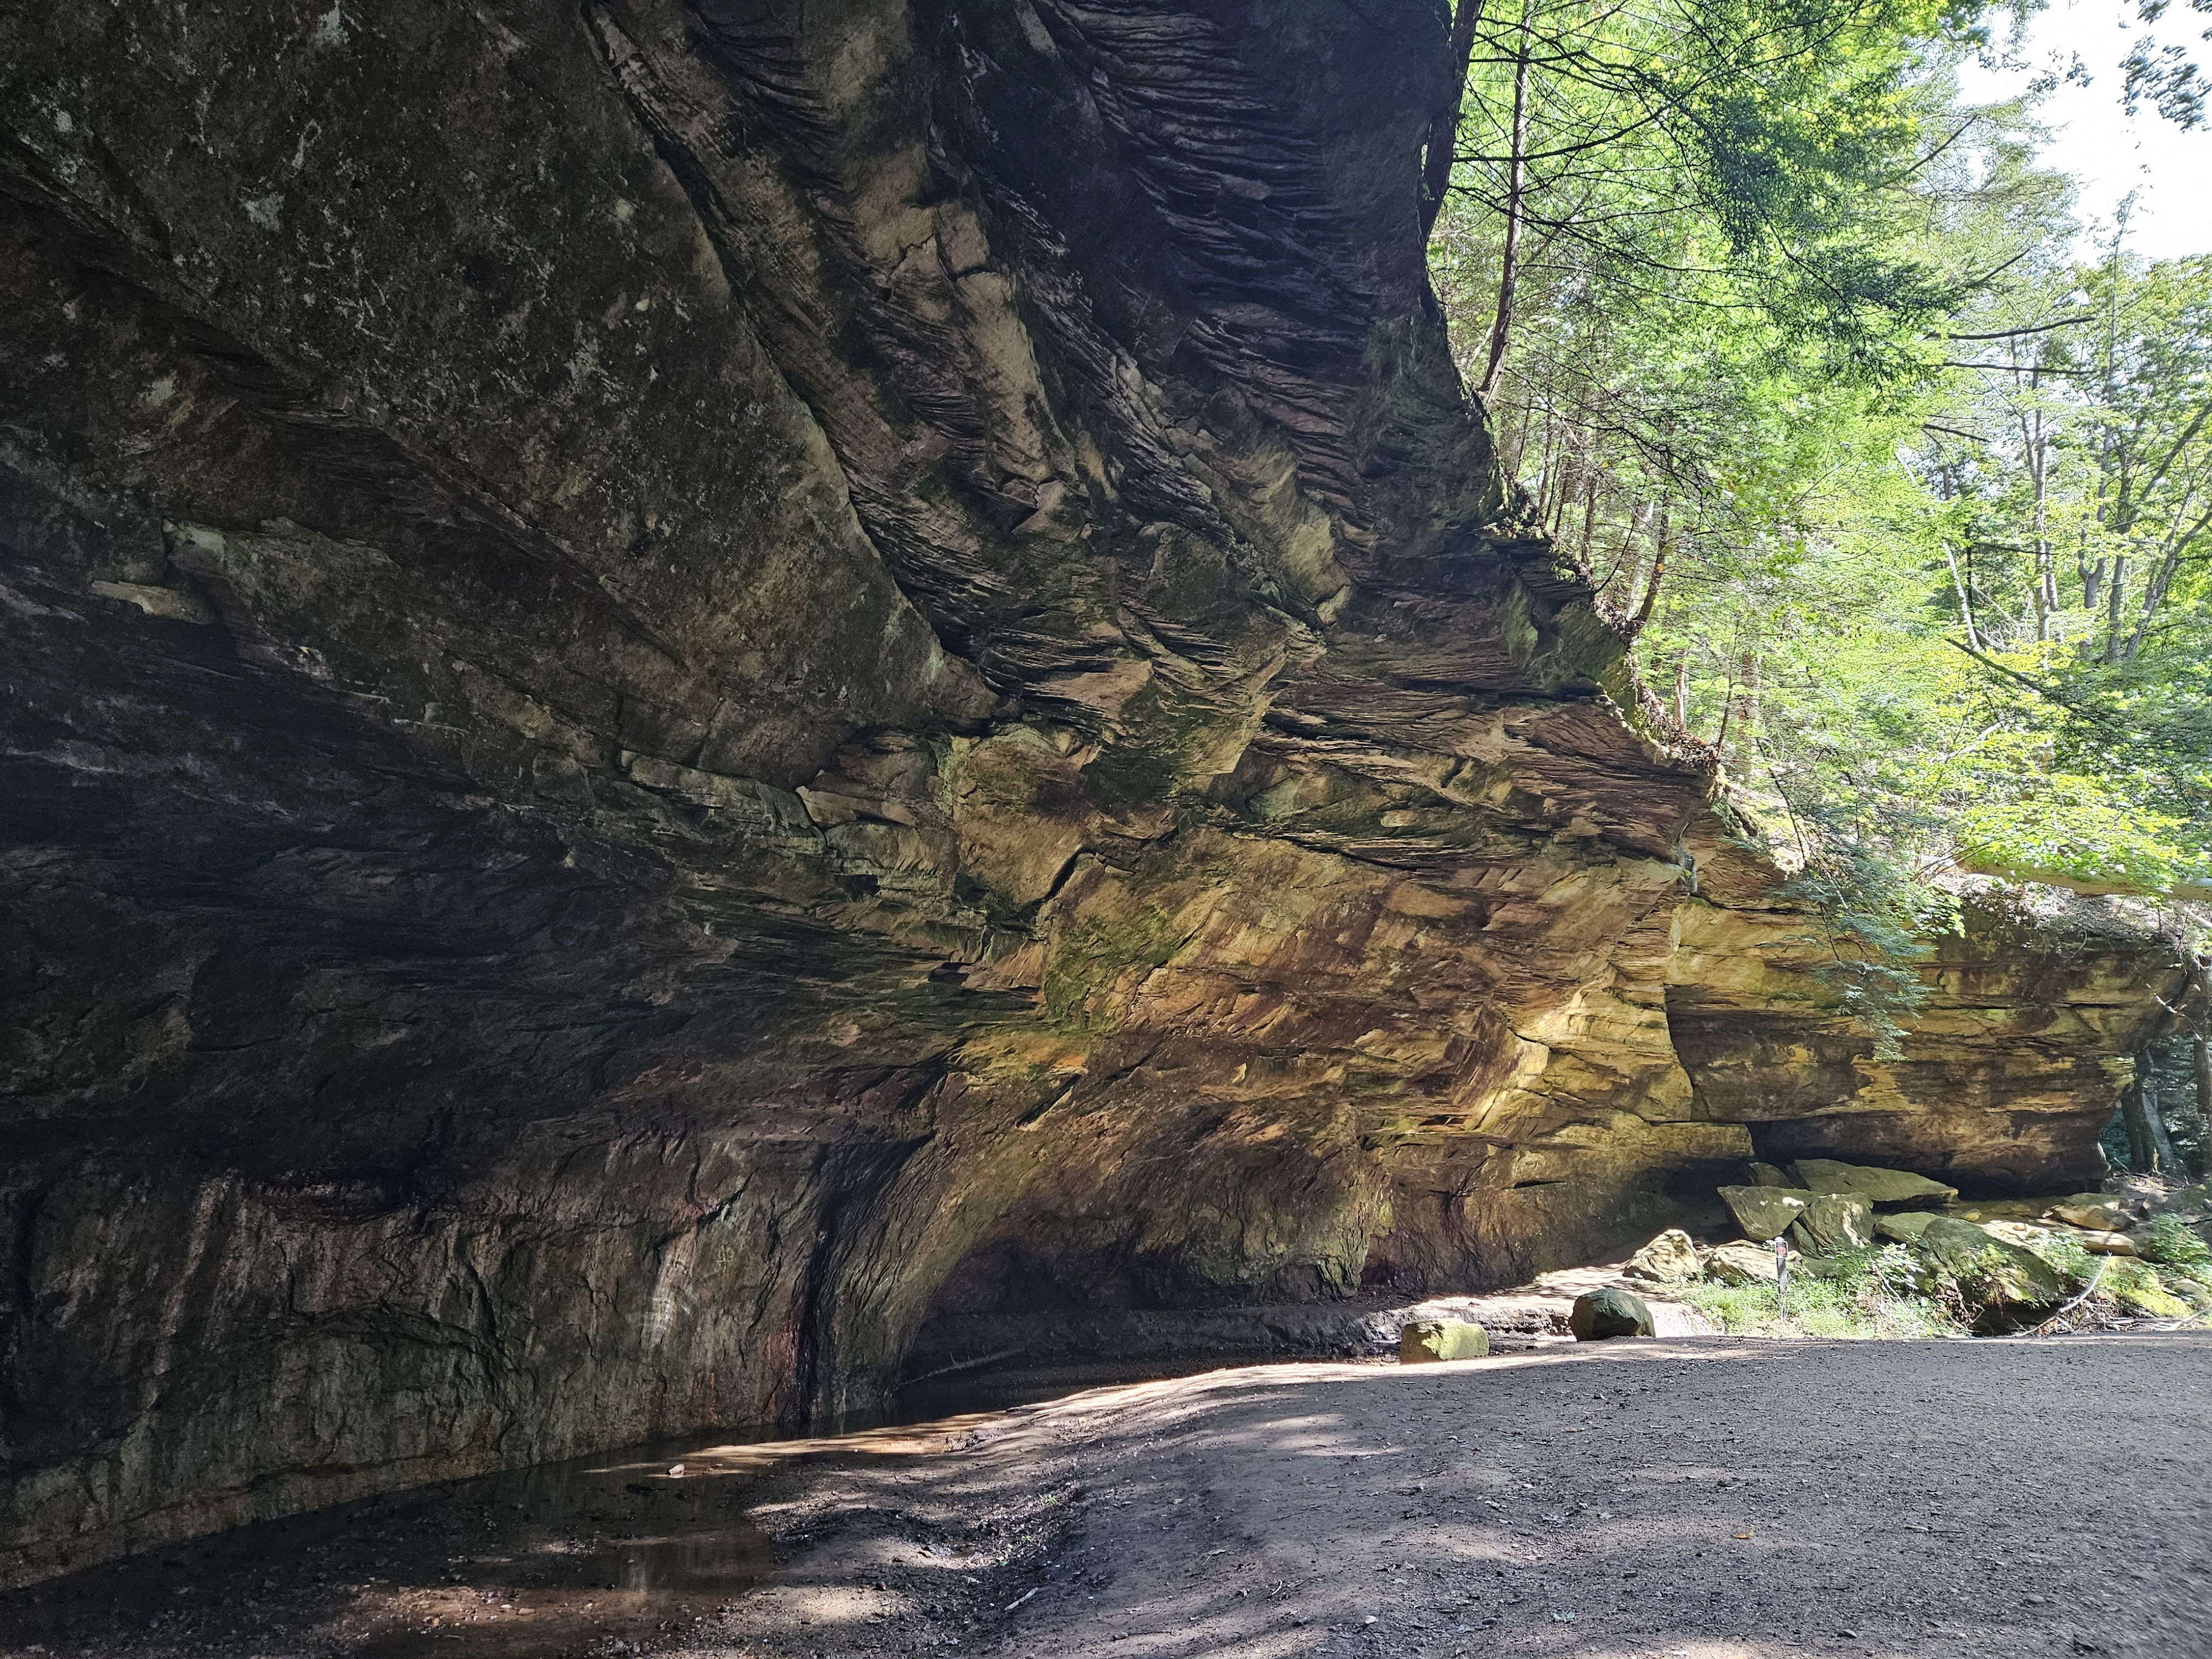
689,683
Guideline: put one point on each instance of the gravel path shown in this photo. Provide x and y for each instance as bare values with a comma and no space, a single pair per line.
1705,1499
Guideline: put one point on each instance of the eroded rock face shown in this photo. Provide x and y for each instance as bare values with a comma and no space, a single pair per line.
695,686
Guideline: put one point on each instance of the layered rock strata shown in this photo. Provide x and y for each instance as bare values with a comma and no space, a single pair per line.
689,684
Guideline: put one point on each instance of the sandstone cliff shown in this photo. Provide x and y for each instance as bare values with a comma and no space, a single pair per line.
690,681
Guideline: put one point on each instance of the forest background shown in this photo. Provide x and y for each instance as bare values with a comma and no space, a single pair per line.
1899,482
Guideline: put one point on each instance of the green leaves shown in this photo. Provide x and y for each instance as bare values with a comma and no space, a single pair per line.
1910,515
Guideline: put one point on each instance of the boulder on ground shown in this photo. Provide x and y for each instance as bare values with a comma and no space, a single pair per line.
1906,1225
1765,1213
1424,1341
2150,1195
1740,1264
1601,1313
2006,1286
1669,1256
1834,1222
2098,1211
2098,1241
1765,1175
1824,1175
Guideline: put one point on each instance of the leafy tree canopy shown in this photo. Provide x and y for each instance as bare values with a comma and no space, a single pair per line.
1906,508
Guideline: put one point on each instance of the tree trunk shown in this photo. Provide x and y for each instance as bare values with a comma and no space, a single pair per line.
2197,988
2046,575
2200,1057
1509,271
1966,604
2131,1119
2150,1148
2114,594
1658,570
1443,127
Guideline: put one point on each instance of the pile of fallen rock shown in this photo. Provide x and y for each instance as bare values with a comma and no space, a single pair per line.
1993,1257
1830,1209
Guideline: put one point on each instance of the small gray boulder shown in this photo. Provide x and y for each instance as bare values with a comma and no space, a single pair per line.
1906,1227
1834,1222
1765,1213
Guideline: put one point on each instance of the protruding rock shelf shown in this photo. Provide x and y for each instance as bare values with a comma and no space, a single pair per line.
694,690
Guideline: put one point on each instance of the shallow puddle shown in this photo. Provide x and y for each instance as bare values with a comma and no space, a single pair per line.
558,1559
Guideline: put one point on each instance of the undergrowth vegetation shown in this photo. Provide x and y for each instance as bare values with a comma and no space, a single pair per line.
1861,1293
1894,1291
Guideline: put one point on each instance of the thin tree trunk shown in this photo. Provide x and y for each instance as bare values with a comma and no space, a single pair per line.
1545,476
1570,481
1590,513
1626,567
1509,271
1727,708
2046,575
1521,439
2114,596
1683,693
2154,596
1658,570
1966,604
1443,127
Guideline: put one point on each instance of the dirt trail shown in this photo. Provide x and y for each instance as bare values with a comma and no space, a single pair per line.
1705,1499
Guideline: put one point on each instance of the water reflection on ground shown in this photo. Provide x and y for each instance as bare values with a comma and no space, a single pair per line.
558,1558
573,1558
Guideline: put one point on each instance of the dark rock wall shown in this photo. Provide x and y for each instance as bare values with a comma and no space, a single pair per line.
688,682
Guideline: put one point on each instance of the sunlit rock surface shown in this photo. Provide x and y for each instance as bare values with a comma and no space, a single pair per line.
694,690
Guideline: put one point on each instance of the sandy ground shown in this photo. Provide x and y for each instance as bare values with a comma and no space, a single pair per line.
1706,1497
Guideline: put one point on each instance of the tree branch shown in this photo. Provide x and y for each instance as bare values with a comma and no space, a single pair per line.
2015,333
